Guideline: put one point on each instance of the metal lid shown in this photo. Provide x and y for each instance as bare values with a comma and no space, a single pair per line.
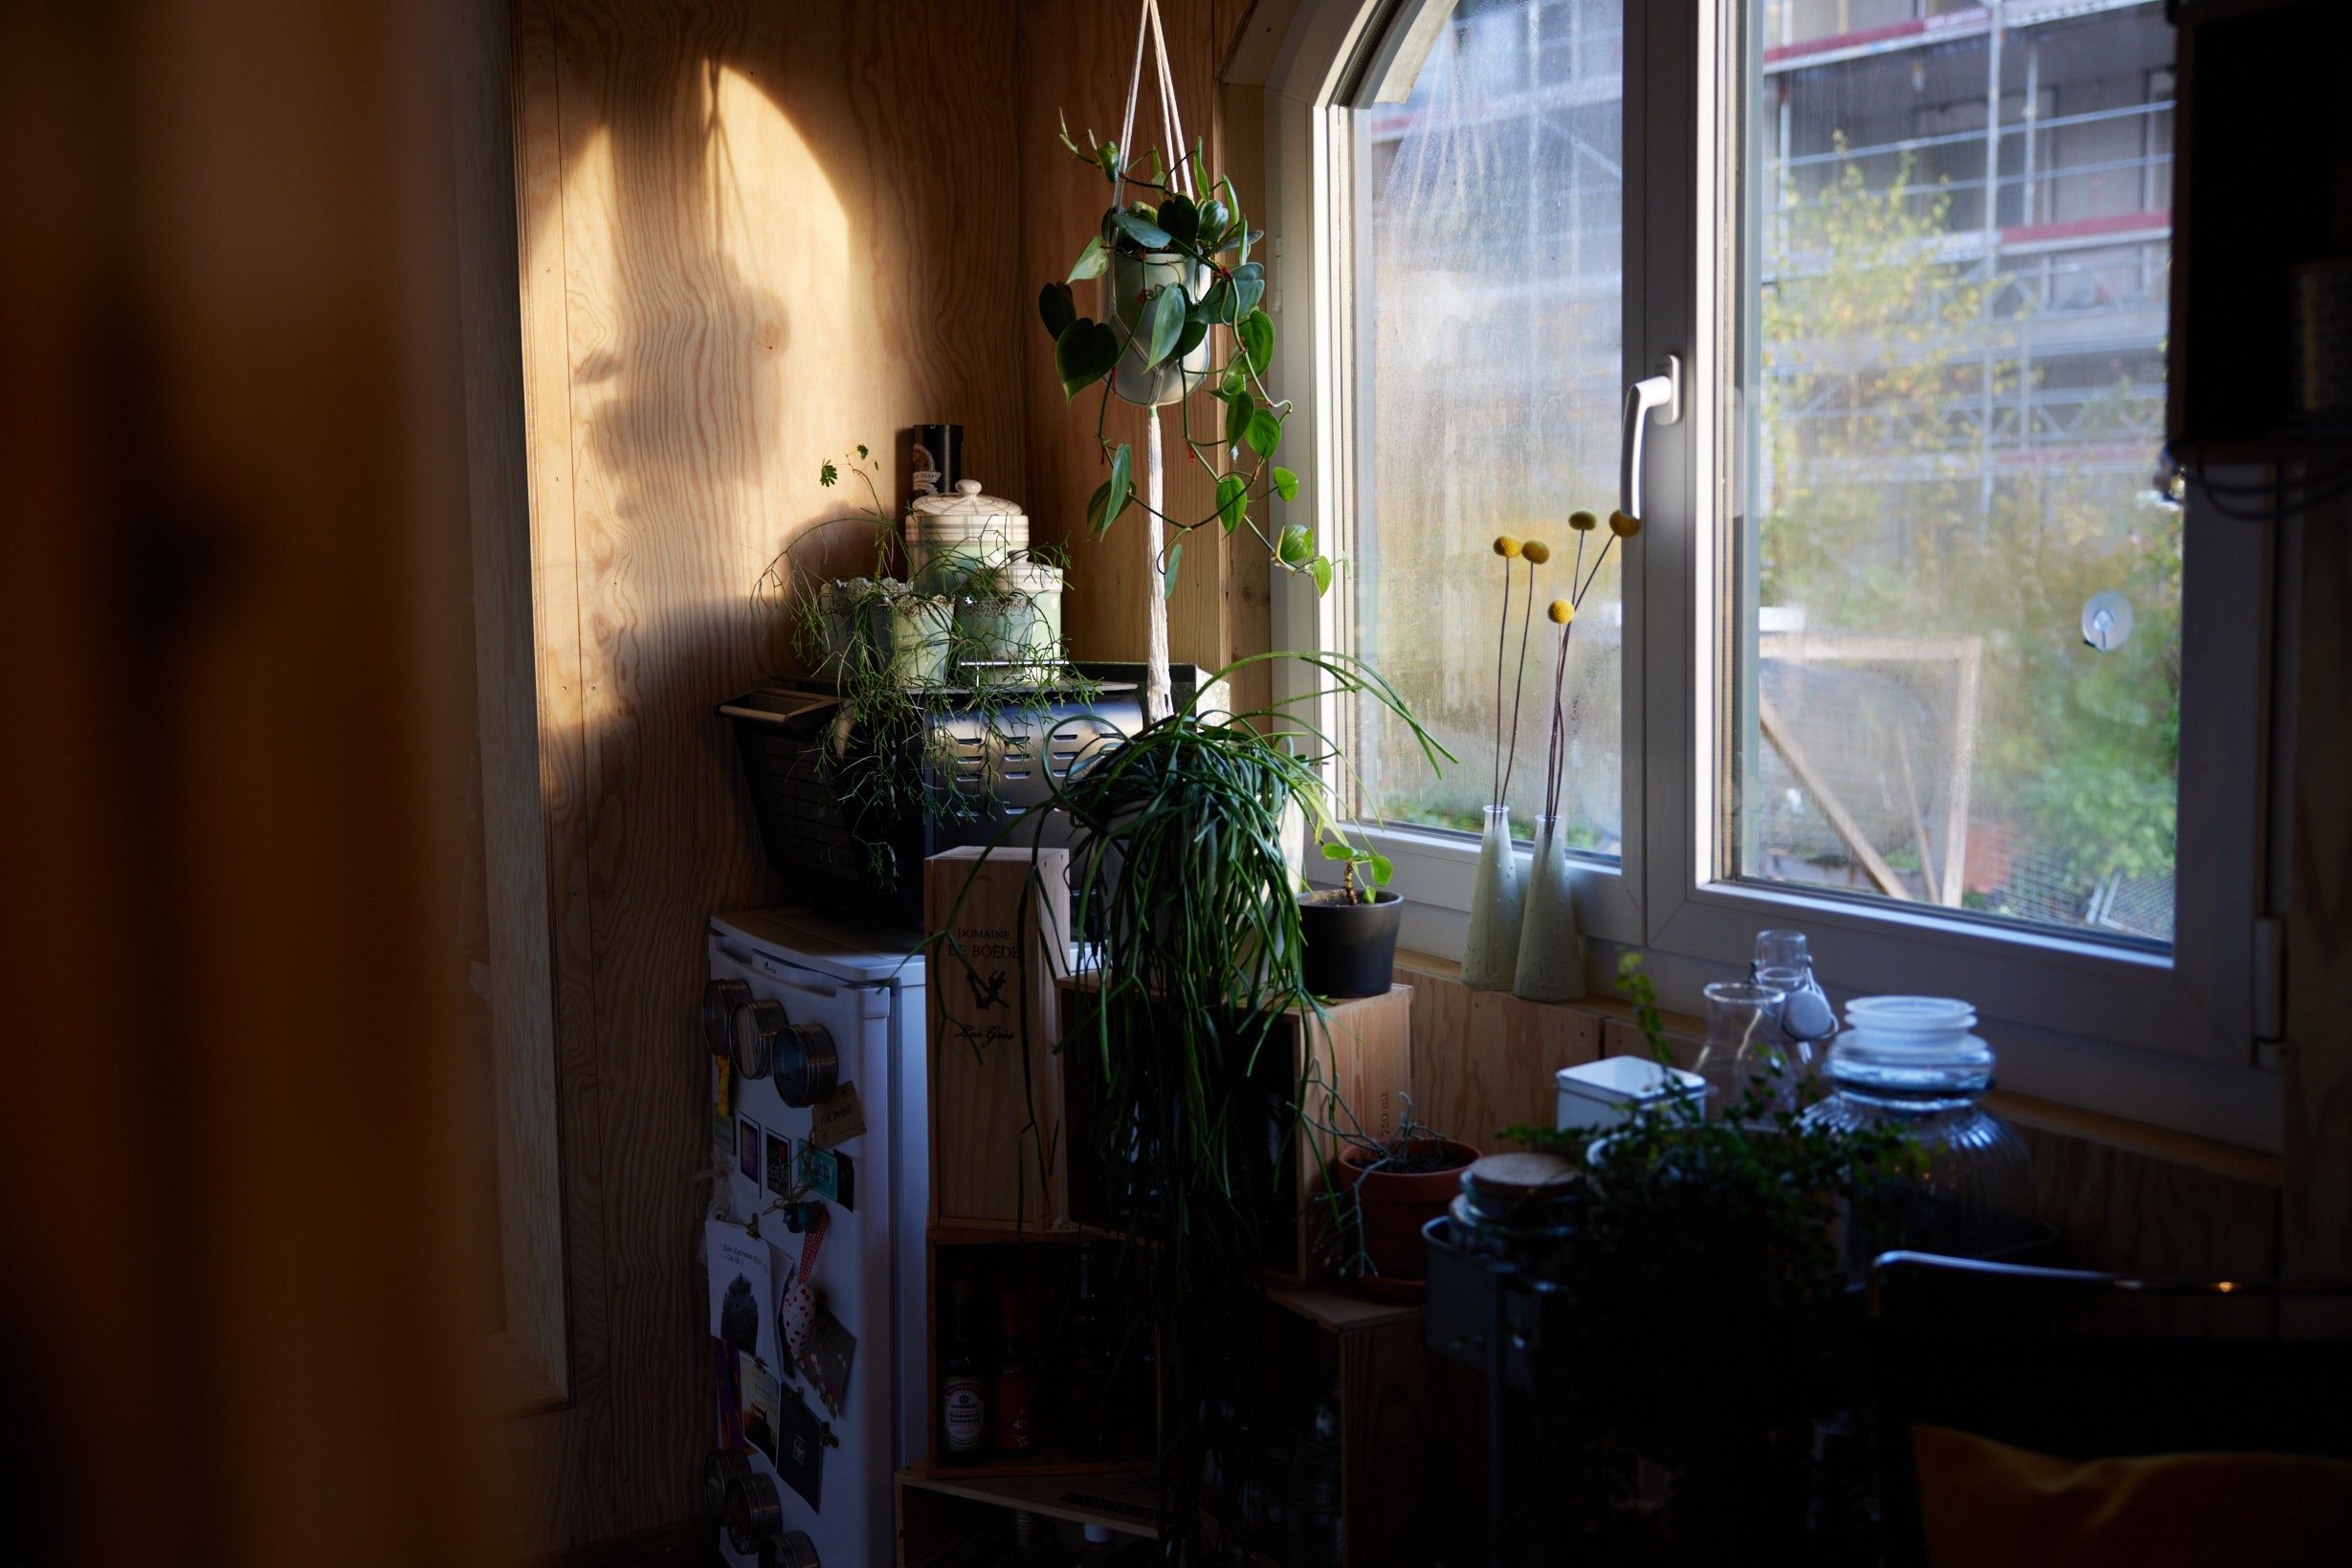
967,501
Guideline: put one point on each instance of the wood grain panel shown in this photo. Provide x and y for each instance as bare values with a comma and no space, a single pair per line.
1485,1060
752,235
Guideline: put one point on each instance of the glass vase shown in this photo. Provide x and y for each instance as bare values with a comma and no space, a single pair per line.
1489,959
1551,955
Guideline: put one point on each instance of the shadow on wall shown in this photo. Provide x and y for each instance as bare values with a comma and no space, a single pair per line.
774,237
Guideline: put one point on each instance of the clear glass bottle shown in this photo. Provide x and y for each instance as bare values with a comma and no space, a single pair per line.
1489,959
1909,1061
1743,1041
1784,962
1552,954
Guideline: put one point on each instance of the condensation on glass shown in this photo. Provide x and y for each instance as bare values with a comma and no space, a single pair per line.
1959,228
1487,257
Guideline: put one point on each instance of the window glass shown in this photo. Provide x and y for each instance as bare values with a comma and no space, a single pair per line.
1958,596
1487,260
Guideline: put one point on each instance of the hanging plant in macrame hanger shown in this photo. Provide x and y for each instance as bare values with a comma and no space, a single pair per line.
1171,263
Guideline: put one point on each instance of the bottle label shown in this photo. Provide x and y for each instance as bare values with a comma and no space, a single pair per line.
1012,1414
966,1414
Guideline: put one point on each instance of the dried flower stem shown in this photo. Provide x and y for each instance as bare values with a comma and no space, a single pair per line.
1502,633
1519,687
1556,757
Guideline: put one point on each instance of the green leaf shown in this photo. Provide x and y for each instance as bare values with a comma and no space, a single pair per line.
1250,237
1091,261
1232,501
1239,409
1175,554
1213,220
1264,432
1234,384
1249,287
1214,300
1190,339
1320,566
1381,870
1180,219
1085,354
1096,521
1057,308
1339,851
1256,334
1286,484
1123,484
829,475
1164,321
1296,546
1150,235
1107,155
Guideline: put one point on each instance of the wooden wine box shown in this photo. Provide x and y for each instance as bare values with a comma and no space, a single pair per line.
998,1150
1355,1063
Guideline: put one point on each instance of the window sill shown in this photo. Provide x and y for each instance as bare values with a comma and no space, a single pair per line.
1619,1030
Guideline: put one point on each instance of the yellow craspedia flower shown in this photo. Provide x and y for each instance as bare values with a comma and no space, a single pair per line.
1583,522
1506,546
1623,526
1535,551
1562,612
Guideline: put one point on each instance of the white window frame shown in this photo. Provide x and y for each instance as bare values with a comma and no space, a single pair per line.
2163,1039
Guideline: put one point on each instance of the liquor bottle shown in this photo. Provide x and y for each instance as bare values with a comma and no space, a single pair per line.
1014,1432
1086,1369
964,1404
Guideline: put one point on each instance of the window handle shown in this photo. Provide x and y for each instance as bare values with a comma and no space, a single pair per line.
1661,393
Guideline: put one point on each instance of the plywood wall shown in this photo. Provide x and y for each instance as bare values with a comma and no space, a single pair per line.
751,236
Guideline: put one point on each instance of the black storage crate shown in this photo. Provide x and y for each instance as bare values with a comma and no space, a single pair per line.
994,768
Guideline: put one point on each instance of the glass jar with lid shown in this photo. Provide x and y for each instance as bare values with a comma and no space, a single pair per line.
1910,1063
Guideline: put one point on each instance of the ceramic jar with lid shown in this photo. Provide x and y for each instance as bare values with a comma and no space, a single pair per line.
948,537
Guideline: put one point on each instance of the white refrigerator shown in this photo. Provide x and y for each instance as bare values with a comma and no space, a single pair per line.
786,988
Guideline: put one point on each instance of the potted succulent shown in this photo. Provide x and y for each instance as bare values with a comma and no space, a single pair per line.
1350,931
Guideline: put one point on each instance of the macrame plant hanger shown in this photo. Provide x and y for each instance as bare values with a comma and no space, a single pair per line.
1159,688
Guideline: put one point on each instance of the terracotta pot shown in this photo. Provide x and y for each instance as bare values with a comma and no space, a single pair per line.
1396,1204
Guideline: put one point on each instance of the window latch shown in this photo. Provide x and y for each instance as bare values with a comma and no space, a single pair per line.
1658,396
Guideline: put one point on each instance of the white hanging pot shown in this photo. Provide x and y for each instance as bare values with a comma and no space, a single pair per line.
1129,284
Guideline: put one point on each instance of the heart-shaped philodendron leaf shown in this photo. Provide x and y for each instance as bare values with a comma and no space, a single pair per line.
1249,287
1175,554
1111,498
1162,323
1083,354
1057,308
1180,219
1232,501
1091,260
1146,234
1256,334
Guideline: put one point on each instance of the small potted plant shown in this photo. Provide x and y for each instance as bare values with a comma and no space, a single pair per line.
1386,1191
1350,931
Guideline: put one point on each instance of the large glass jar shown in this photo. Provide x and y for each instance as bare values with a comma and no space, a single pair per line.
1909,1061
1743,1048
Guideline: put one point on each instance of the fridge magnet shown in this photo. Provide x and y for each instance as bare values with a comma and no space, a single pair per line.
747,1149
837,1118
825,1358
800,1450
742,1311
761,1394
829,1174
779,1165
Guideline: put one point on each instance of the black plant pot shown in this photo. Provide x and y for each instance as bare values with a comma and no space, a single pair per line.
1351,947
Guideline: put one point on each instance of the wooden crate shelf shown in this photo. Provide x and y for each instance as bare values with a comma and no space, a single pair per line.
1362,1051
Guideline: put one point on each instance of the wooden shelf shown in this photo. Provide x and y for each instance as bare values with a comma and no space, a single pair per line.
1340,1310
1058,1235
1122,1501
